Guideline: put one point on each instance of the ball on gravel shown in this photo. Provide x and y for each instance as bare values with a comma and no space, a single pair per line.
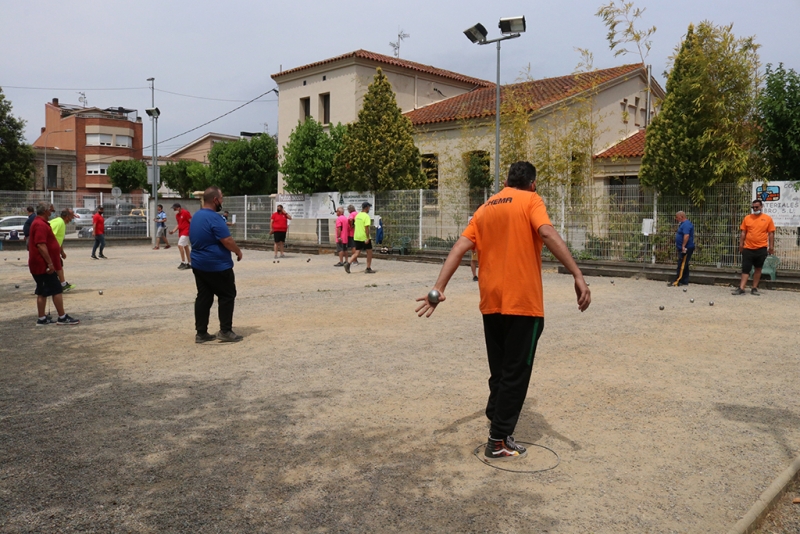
101,291
685,290
661,308
433,296
711,303
691,300
16,286
612,281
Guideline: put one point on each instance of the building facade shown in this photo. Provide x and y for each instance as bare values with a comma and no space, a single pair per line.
94,137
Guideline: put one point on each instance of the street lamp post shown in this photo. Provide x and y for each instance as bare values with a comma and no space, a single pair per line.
154,112
45,154
511,28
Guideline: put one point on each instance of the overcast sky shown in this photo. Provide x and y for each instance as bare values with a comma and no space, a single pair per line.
228,50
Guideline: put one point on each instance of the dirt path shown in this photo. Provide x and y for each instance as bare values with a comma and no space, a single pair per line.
342,411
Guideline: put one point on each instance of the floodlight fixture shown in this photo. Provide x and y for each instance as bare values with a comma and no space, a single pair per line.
512,25
477,33
153,112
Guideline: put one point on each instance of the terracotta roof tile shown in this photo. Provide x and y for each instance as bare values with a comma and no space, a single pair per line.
540,93
632,147
396,62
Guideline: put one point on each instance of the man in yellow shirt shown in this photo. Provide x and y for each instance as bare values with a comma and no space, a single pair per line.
756,242
59,227
362,239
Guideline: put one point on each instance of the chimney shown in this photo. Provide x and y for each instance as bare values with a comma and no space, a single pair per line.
55,102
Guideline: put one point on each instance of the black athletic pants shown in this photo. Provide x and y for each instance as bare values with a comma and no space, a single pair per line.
682,272
511,346
223,285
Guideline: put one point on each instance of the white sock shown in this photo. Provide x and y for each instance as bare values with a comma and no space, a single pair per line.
63,284
43,317
62,316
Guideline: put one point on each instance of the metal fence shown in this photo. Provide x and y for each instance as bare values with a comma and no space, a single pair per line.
597,222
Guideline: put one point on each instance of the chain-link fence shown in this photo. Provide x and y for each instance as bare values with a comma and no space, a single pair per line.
597,222
125,216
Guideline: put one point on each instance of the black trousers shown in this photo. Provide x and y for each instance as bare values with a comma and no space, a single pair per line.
682,272
511,346
223,285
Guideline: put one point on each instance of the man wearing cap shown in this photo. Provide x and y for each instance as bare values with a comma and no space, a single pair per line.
361,238
184,218
59,227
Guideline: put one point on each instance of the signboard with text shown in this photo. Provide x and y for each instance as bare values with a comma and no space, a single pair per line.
322,205
781,202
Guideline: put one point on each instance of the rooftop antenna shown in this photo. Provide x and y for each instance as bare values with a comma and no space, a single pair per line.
401,36
82,98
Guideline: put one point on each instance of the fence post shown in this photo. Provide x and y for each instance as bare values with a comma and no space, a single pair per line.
655,221
101,198
485,197
52,198
245,217
420,218
319,231
147,211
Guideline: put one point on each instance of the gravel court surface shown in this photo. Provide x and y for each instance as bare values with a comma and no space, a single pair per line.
342,411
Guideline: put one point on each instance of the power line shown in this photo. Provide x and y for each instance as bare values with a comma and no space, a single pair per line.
206,98
72,88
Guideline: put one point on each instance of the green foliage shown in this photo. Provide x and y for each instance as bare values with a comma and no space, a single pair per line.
16,157
128,175
245,167
704,133
625,15
185,177
478,163
779,123
378,151
308,157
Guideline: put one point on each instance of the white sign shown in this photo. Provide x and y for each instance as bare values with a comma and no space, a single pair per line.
150,175
116,192
322,205
781,202
295,205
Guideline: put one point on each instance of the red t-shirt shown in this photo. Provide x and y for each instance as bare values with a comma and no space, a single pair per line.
279,222
100,223
183,217
42,233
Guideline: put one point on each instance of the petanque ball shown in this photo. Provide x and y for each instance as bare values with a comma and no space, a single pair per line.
433,296
101,292
16,286
691,300
684,290
661,308
711,303
612,281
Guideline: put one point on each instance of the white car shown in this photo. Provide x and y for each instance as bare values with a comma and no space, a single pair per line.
83,217
9,224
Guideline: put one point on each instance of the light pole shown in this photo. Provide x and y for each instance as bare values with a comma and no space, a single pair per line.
511,28
154,112
45,154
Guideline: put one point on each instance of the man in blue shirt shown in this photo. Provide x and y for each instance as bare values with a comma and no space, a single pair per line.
212,266
161,227
684,242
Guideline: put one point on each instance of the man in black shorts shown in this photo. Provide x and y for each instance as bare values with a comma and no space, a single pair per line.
44,262
756,242
362,238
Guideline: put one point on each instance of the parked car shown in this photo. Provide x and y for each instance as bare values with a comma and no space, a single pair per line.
12,224
126,226
141,212
83,217
86,231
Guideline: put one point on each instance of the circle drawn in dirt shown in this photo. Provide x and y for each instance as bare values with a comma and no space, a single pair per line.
530,472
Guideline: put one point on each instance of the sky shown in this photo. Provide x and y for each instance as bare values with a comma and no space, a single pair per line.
225,52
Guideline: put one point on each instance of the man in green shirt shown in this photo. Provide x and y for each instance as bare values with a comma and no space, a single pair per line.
362,239
59,227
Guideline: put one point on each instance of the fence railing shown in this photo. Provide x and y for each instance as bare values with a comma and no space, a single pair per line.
597,222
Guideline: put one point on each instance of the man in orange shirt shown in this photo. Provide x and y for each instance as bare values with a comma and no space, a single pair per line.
756,242
508,233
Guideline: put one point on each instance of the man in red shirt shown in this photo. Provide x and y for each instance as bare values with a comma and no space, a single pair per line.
184,219
278,226
99,232
44,262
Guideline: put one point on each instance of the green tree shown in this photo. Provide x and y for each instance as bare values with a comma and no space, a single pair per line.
128,174
245,167
704,134
621,20
308,157
779,123
185,177
16,157
378,151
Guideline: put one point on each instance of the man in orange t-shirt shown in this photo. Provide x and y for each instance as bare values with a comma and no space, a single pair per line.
756,242
508,233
